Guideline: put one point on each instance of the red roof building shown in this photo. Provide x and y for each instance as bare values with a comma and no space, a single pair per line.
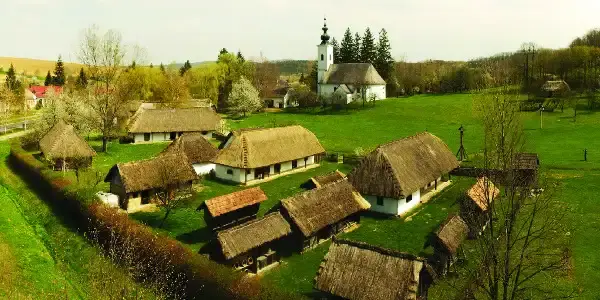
40,91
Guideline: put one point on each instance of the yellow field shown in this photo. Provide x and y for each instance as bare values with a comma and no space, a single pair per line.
35,67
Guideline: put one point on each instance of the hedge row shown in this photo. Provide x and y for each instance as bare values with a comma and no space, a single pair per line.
150,257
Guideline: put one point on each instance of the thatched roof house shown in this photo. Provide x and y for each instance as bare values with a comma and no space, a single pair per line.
62,144
195,147
335,176
399,168
324,209
452,232
253,234
353,73
555,86
358,271
482,193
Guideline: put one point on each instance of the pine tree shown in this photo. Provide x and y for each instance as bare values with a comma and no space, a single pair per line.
59,78
336,50
223,51
356,48
11,78
302,79
162,67
384,62
313,77
240,57
48,80
81,81
346,48
367,49
186,67
151,66
133,65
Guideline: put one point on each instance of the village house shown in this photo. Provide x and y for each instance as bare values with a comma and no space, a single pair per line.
137,183
397,176
354,80
232,209
321,180
65,149
447,241
199,151
525,166
316,215
358,271
37,93
555,88
475,205
167,124
250,155
254,245
279,96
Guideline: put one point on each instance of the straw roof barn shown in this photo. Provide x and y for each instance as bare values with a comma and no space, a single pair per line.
399,168
328,178
354,270
313,210
245,237
555,86
61,141
452,233
353,73
153,173
227,203
483,192
195,119
253,148
195,147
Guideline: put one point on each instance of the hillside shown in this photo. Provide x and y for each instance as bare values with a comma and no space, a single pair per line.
35,67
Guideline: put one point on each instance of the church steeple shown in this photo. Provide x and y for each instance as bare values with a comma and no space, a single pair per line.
324,36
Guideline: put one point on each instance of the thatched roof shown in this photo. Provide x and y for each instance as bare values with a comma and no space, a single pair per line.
153,173
354,270
353,73
227,203
175,120
452,233
317,208
194,146
483,192
61,141
399,168
245,237
328,178
555,85
526,161
253,148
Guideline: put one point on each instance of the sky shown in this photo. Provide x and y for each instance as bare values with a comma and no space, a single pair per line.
178,30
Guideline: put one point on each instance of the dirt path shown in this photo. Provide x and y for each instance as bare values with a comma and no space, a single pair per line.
13,135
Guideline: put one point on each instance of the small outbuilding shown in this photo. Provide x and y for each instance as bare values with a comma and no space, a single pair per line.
397,175
232,209
358,271
447,241
319,181
65,149
254,245
199,151
526,166
137,183
555,88
476,203
167,124
250,155
316,215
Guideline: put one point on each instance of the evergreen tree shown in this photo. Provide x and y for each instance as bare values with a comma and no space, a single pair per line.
356,49
11,78
367,49
313,77
133,65
162,67
346,48
336,50
384,63
59,78
81,81
151,66
48,80
223,51
302,79
186,67
240,57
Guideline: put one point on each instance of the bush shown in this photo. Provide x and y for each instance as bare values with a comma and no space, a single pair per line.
304,97
126,139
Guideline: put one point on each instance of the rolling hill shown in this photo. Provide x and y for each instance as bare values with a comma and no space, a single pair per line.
35,67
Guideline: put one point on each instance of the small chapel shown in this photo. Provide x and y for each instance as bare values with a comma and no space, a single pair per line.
351,81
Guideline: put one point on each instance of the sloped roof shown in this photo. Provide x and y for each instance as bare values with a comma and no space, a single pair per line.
555,85
328,178
526,161
40,91
227,203
153,173
175,120
452,233
483,192
253,148
399,168
195,146
317,208
353,73
354,270
245,237
61,141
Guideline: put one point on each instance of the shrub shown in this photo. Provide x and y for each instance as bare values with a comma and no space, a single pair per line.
127,139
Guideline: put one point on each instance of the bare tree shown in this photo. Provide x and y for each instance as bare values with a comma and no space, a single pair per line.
172,193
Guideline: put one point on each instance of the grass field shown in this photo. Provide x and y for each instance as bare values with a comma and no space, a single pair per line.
36,67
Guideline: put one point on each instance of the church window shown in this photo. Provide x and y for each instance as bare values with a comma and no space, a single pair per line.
322,57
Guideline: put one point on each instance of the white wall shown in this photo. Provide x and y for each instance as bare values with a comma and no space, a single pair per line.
286,166
204,168
404,207
377,90
323,65
393,206
239,175
162,137
221,172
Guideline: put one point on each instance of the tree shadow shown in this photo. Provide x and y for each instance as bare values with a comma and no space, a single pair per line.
201,235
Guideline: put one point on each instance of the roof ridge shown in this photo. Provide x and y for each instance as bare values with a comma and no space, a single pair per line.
404,138
378,249
251,222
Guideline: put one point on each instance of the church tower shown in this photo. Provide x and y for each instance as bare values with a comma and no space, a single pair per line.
325,55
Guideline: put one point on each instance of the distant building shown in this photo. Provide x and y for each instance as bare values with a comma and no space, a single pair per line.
39,94
354,80
475,205
159,125
65,148
447,241
199,151
525,166
232,209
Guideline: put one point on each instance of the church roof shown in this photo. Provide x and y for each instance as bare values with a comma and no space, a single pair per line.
353,73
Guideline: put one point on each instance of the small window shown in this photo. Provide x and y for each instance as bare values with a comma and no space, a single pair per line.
146,137
379,200
204,132
248,172
230,171
409,198
322,57
173,136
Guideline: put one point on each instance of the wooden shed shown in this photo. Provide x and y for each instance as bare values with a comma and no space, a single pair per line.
319,181
232,209
475,204
447,241
526,166
65,149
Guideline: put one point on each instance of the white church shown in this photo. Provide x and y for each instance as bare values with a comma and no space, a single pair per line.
350,80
